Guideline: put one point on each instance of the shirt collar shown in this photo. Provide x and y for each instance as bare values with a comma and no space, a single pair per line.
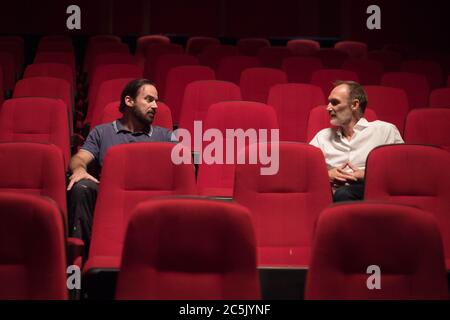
118,127
359,126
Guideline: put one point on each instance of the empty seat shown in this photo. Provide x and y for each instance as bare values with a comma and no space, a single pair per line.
331,58
354,49
300,69
326,78
211,55
319,119
152,54
250,46
55,46
369,71
36,120
428,126
390,60
121,190
285,206
255,83
292,103
348,249
54,70
199,95
430,69
166,62
102,47
230,68
192,248
163,117
272,57
110,58
216,173
396,174
390,104
440,98
415,86
303,47
143,41
177,80
56,57
195,45
33,259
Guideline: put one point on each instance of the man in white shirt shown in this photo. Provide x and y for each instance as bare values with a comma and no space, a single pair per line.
347,144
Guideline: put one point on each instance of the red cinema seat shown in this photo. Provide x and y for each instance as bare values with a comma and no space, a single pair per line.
300,69
199,95
143,41
391,60
326,78
163,117
250,46
320,119
331,58
55,46
303,47
177,80
216,171
53,70
152,54
230,68
2,89
32,255
396,173
211,55
121,190
292,103
415,86
196,45
348,248
255,83
165,63
272,57
430,69
102,47
8,64
110,58
440,98
55,38
390,104
369,71
285,206
428,126
56,57
193,249
36,120
354,49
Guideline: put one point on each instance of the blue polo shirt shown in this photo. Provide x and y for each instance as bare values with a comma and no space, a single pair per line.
107,135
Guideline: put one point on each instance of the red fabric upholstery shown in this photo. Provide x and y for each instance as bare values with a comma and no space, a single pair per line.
285,206
396,174
320,119
95,49
110,58
32,252
143,41
390,104
8,63
152,54
199,95
36,120
272,57
331,58
415,86
303,47
440,98
326,77
300,69
211,55
369,71
428,126
189,249
55,70
177,80
165,63
230,68
404,242
163,117
354,49
430,69
132,173
56,57
196,45
391,60
55,46
292,103
218,179
255,83
250,46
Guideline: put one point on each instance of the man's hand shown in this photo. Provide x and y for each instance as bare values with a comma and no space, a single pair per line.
357,173
338,175
78,175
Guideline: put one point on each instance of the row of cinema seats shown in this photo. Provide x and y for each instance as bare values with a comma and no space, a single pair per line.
165,242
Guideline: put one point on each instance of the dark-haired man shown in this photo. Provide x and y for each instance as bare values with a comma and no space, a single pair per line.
138,104
347,145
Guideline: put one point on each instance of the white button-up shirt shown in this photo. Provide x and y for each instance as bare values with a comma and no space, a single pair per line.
338,150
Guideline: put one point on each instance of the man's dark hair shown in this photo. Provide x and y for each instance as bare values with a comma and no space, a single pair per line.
355,91
132,90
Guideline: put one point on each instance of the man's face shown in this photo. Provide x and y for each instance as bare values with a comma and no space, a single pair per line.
339,106
144,106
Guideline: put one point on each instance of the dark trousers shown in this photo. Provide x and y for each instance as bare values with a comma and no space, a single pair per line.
81,204
353,192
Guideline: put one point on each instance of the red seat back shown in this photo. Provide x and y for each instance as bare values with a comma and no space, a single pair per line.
325,78
300,69
415,86
255,83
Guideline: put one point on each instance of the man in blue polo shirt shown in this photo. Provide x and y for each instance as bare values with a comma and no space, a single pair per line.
138,105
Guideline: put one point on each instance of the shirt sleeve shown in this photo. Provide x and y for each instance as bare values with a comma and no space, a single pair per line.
315,141
394,136
92,143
